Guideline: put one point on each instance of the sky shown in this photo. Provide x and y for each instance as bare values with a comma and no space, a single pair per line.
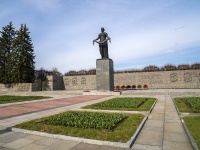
143,32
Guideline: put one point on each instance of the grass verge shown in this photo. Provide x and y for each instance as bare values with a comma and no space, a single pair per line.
183,107
193,124
122,103
11,99
122,133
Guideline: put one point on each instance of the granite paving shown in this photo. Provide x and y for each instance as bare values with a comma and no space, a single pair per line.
21,109
162,131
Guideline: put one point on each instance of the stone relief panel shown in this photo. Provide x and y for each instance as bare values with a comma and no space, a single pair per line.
74,81
174,77
187,77
83,81
23,87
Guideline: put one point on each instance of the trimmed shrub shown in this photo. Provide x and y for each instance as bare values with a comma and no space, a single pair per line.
128,86
117,87
134,86
122,87
145,86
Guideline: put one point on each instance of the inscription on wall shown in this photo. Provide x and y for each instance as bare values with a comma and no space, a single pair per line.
150,77
23,87
187,77
83,81
66,82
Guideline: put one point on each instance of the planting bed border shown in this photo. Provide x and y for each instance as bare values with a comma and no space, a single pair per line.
189,135
191,139
119,111
84,140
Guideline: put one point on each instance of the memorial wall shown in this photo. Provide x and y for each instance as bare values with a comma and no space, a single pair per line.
162,79
182,79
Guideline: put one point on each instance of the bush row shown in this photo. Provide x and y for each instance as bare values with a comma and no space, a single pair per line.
150,68
145,86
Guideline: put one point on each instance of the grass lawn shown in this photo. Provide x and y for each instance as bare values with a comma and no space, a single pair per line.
191,104
193,124
124,103
56,124
11,99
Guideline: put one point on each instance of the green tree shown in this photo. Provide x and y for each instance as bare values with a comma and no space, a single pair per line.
6,53
25,64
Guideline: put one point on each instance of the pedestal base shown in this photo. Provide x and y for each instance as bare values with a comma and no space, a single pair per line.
104,75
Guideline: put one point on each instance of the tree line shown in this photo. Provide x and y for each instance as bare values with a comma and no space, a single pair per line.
17,63
150,68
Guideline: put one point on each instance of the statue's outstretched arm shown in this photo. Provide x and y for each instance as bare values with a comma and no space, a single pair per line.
95,40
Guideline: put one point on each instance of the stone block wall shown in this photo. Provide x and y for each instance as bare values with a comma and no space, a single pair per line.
182,79
54,83
162,79
25,87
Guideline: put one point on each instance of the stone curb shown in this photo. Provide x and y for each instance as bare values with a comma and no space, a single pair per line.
89,141
176,106
191,139
153,105
113,111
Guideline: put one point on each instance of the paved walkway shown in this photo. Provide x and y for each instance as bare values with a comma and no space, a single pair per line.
21,109
163,130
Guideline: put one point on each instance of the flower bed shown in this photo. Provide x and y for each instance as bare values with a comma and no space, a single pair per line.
86,120
190,104
128,124
126,102
193,124
194,102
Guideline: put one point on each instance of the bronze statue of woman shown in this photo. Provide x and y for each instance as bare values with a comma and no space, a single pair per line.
103,45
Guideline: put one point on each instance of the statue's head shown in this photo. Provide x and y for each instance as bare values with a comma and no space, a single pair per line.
102,29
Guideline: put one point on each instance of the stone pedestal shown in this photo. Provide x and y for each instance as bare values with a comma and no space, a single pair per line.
104,75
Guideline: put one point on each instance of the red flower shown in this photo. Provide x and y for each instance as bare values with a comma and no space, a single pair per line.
117,87
122,86
145,86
